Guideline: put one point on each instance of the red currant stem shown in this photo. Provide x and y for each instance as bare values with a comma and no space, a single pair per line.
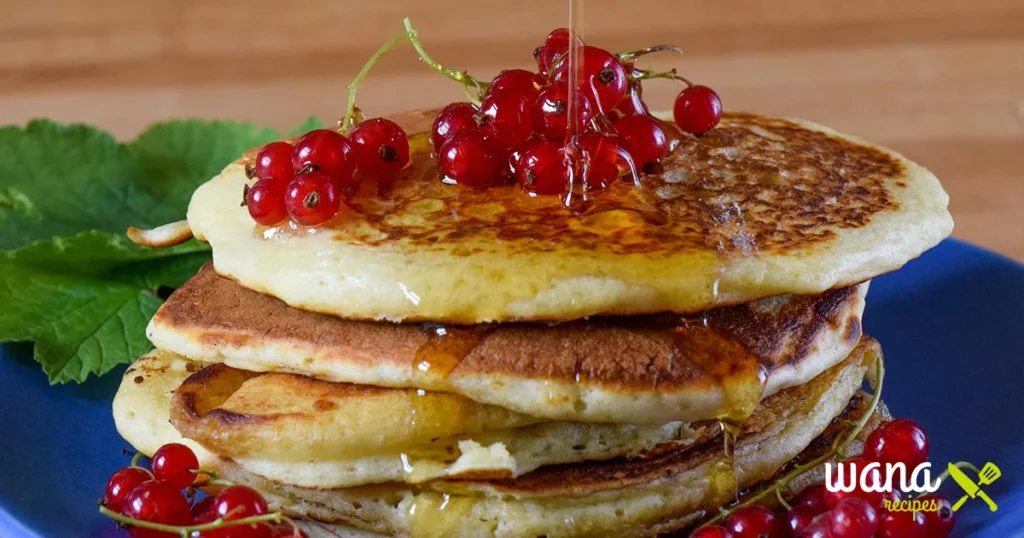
186,531
351,87
650,73
135,460
626,57
839,445
959,465
458,76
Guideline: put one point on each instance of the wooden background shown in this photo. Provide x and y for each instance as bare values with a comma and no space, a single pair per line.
939,80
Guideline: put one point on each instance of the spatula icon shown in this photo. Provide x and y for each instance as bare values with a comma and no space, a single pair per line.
988,474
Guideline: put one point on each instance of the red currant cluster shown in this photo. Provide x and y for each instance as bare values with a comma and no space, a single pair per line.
819,513
151,504
532,127
308,180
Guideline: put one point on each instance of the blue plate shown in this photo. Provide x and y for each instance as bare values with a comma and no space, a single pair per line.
950,323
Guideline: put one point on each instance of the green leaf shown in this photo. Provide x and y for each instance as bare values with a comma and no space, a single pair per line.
69,279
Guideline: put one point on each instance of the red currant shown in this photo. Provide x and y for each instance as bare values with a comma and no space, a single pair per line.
312,199
551,112
274,162
202,511
121,483
327,151
853,469
240,502
902,525
632,104
798,519
820,527
643,138
939,523
603,79
471,158
754,521
813,498
175,464
714,531
265,202
853,518
897,441
509,115
601,154
519,81
697,109
453,118
156,501
540,167
556,44
380,148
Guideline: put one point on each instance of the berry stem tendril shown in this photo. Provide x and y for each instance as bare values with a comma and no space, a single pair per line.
837,447
625,57
461,77
186,531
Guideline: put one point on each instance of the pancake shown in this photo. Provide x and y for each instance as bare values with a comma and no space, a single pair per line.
757,207
636,370
327,435
642,496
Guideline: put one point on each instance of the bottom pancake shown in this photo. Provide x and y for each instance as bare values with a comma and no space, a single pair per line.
664,491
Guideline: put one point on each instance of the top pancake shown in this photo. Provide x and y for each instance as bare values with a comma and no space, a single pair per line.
757,207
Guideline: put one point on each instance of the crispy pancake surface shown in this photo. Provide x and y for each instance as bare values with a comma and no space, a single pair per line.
634,370
757,207
642,496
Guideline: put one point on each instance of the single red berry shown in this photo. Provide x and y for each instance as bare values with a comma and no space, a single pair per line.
939,523
853,469
240,502
175,463
813,498
471,158
754,521
714,531
265,202
798,519
820,527
601,153
312,199
541,169
453,118
380,148
327,151
274,162
854,518
632,104
156,501
551,112
121,483
902,525
555,46
203,509
518,81
697,110
509,116
643,138
897,441
603,79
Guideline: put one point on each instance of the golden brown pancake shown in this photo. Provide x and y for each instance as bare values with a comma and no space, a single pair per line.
758,206
633,370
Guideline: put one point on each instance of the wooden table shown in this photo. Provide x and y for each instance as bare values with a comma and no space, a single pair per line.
940,80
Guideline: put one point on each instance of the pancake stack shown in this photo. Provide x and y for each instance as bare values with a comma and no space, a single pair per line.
449,361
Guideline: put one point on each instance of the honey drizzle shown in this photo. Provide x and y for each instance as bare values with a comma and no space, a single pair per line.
444,349
433,515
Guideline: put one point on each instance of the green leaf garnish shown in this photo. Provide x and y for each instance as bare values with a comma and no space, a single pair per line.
69,279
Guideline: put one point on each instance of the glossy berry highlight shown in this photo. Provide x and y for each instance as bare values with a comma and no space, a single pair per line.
312,199
175,464
121,483
897,441
471,158
452,119
274,162
643,138
156,501
327,151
